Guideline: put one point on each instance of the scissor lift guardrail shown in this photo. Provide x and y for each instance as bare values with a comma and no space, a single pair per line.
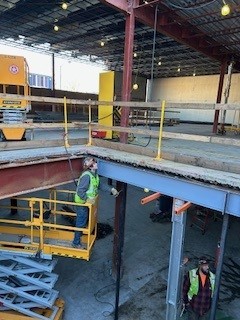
47,236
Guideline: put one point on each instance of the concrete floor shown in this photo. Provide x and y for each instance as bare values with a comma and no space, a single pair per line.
88,288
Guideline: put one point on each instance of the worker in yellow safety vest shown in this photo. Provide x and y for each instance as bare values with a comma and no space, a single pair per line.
86,192
198,288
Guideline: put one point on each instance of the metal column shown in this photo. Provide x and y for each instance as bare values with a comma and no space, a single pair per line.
175,273
220,262
226,96
127,68
53,73
121,200
119,226
219,95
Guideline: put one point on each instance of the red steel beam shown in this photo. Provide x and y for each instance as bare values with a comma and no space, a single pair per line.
34,176
120,5
176,31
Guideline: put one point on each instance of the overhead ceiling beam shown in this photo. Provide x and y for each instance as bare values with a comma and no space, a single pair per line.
174,26
175,31
120,5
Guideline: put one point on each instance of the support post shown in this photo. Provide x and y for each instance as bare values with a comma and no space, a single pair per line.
127,69
226,96
13,203
66,144
120,207
158,157
219,95
119,226
89,125
175,272
220,262
53,80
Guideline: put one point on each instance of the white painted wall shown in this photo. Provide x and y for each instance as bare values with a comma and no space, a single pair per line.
195,89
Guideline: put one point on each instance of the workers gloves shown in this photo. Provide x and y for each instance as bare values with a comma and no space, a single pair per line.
114,192
91,200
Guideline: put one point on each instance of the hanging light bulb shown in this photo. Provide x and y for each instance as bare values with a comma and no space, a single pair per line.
135,86
64,5
102,43
56,28
178,69
194,73
225,9
159,63
135,54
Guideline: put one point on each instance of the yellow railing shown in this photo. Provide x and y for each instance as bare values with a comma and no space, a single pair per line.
43,227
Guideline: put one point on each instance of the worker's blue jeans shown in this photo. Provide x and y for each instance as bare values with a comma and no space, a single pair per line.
81,221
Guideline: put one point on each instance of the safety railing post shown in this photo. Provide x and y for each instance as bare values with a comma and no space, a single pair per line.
55,206
66,144
31,205
158,157
89,125
41,241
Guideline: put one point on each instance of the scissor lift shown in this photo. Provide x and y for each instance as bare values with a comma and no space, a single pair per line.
14,80
27,247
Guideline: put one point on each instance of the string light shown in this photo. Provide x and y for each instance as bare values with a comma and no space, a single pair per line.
159,63
102,43
64,5
194,74
225,9
178,69
56,28
135,54
135,86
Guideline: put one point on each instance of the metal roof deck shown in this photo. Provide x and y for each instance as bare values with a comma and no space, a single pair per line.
192,35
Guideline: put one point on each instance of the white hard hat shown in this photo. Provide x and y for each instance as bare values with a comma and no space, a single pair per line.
88,162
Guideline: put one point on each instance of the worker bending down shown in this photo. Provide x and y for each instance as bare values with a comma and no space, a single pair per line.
86,192
198,290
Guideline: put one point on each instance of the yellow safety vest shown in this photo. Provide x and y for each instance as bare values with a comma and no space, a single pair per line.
92,191
194,283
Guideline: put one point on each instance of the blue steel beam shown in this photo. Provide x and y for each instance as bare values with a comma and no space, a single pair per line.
203,194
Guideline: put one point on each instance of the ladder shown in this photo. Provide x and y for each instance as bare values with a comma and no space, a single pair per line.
200,219
27,283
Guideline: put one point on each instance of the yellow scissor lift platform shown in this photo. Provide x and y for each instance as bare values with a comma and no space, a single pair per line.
51,235
27,245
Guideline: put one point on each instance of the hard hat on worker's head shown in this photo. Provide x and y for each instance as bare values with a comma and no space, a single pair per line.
88,162
203,260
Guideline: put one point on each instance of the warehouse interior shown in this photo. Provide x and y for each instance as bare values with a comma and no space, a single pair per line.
165,123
